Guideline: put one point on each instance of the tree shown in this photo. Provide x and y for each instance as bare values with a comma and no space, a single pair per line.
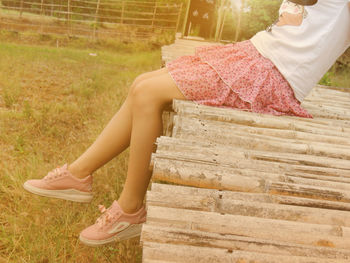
258,15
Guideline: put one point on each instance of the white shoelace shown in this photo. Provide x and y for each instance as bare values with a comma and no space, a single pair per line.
57,172
106,216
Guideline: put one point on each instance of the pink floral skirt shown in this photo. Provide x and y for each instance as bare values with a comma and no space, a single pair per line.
235,76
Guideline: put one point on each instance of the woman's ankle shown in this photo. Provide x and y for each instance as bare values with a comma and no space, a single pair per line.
130,207
78,172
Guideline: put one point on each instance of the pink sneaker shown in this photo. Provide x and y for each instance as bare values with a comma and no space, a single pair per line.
113,225
60,183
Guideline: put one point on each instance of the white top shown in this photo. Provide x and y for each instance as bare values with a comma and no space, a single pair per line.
303,53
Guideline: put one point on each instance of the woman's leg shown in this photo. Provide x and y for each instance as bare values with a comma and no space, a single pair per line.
114,139
148,100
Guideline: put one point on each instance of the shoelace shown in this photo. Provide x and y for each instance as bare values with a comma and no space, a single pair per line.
57,172
106,216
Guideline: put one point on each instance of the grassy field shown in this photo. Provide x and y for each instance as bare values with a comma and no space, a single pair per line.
53,104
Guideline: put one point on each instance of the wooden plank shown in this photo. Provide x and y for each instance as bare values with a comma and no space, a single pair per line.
196,129
181,122
327,111
194,254
190,237
206,152
259,171
221,203
191,109
250,197
212,153
182,47
325,92
167,118
220,180
253,227
156,261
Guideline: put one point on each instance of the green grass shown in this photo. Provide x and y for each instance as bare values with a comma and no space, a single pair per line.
337,76
53,104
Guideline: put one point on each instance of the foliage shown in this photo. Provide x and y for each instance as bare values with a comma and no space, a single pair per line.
256,15
337,76
326,79
262,14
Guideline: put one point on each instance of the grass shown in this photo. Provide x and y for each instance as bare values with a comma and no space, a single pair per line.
338,77
53,104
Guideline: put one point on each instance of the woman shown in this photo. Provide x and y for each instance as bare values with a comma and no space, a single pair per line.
271,73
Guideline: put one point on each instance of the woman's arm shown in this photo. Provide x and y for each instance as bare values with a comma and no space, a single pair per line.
291,14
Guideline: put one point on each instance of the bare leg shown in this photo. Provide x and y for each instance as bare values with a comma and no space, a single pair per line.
114,139
148,100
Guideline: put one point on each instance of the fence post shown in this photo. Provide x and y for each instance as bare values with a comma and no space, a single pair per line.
41,7
178,19
154,14
21,10
41,14
223,22
68,17
238,27
221,11
96,19
122,15
186,18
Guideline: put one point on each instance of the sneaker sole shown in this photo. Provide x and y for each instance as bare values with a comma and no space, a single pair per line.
130,232
68,194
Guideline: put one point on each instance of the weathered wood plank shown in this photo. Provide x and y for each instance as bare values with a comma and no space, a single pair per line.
246,166
327,111
264,172
221,180
221,203
251,197
213,153
329,93
181,122
167,118
182,47
253,227
191,109
155,261
195,129
171,235
195,254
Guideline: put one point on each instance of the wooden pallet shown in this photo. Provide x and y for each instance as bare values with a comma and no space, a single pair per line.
254,188
235,186
182,47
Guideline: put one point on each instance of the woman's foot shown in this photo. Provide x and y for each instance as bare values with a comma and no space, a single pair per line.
113,225
60,183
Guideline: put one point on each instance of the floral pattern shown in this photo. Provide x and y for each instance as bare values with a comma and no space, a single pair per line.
235,76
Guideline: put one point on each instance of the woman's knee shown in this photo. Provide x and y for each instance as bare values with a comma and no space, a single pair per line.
145,76
136,81
144,98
